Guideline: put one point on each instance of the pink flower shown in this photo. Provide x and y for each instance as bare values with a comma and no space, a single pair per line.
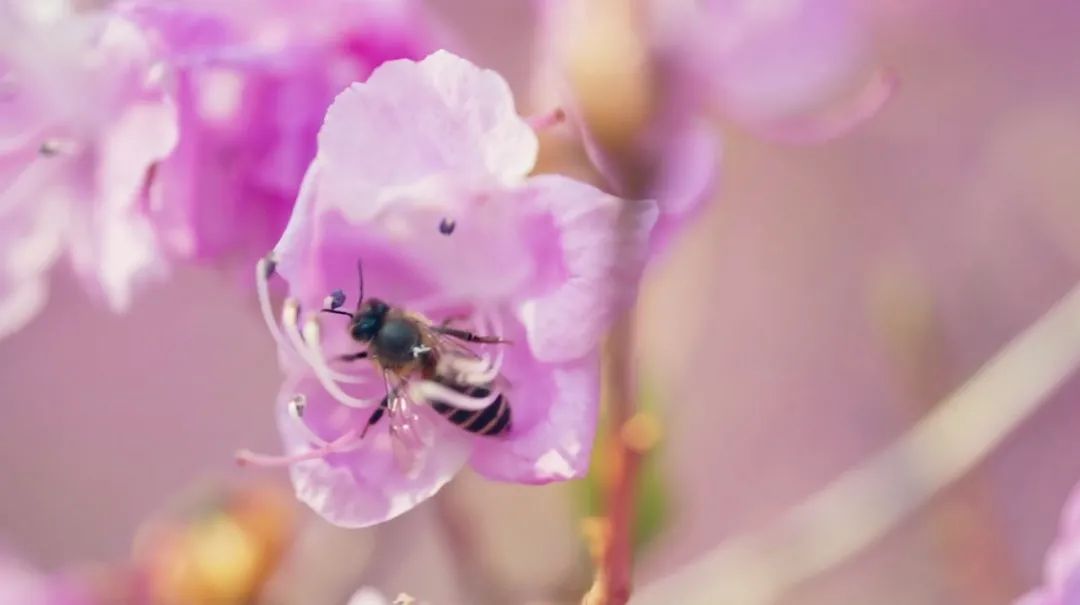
164,131
252,80
20,584
782,69
421,175
370,596
83,118
768,60
1062,572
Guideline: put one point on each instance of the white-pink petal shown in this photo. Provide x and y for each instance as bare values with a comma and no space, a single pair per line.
604,244
414,121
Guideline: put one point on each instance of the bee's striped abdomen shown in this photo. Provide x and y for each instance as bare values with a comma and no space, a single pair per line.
491,421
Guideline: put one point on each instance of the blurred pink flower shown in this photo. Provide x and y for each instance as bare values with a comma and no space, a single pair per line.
22,585
252,80
1062,572
421,174
368,596
83,119
782,69
160,131
768,61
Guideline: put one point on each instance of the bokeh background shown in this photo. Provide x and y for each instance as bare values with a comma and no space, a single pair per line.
822,304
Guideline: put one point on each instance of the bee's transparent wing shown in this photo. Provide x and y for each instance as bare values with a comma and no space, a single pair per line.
411,436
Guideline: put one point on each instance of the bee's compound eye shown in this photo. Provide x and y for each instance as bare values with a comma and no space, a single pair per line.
365,328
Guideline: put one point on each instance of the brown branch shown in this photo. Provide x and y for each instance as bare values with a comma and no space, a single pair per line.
613,538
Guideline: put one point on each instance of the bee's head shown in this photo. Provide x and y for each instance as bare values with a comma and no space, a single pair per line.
368,319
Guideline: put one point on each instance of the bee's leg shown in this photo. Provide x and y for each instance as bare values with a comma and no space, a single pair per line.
353,356
467,336
376,415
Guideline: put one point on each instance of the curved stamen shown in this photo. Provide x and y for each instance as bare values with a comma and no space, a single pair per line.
347,442
494,322
290,316
263,270
428,390
484,369
296,412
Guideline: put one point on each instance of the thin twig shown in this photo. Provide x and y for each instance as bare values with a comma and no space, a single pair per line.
865,503
612,584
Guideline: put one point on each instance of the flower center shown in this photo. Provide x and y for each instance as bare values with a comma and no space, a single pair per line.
478,364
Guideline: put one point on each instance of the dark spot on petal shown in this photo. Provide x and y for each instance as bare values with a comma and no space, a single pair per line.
49,149
447,226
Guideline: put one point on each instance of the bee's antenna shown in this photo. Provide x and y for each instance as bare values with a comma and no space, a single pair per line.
360,275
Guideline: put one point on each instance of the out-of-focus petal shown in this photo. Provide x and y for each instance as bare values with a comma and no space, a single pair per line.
32,224
603,243
116,248
368,596
22,585
413,121
364,486
253,80
836,120
686,177
770,60
1061,576
99,142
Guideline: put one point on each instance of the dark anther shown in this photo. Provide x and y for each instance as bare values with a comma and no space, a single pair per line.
48,149
446,226
336,299
270,267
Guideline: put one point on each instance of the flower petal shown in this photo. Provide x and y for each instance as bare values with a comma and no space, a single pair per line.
603,242
554,410
490,255
321,253
769,60
117,247
364,486
686,177
32,224
412,121
368,596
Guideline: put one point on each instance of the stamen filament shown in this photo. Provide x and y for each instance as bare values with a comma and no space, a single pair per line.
290,315
493,321
428,390
263,270
296,412
349,441
544,121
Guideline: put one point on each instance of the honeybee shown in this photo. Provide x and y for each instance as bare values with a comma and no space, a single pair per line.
427,363
421,364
